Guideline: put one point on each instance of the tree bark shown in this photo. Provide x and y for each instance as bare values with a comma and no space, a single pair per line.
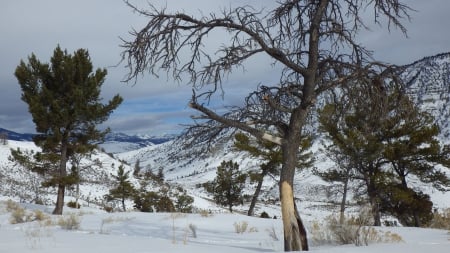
59,200
295,238
374,206
61,185
251,209
344,199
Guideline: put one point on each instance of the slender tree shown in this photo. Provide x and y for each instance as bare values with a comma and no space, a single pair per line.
137,168
314,42
63,97
270,153
124,189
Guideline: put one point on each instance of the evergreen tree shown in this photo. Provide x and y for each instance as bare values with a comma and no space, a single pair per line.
63,97
137,168
354,127
228,184
383,137
412,148
184,203
124,189
270,153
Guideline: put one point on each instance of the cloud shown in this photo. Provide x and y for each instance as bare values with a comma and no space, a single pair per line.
159,104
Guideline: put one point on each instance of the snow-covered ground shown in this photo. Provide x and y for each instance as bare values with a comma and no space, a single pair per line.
163,232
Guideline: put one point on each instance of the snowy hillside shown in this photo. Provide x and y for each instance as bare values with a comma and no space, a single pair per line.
19,183
428,82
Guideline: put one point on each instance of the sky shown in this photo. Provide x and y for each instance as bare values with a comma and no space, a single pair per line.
156,106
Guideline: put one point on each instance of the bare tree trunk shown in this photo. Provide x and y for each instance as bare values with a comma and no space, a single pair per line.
251,210
344,199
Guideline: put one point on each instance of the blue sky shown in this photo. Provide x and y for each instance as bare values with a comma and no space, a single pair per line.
157,106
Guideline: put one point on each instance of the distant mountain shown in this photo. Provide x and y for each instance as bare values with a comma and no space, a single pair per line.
114,142
11,135
120,142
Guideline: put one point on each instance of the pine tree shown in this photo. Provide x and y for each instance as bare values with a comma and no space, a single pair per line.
137,168
184,203
63,97
354,127
228,184
383,137
271,155
124,189
412,148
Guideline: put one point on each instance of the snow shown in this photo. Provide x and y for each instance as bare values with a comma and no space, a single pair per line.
164,232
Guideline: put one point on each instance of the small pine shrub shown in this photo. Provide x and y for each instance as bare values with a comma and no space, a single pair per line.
73,204
264,215
165,204
184,203
39,201
71,222
108,209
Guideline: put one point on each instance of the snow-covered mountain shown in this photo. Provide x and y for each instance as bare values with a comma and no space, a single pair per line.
120,142
11,135
114,142
428,82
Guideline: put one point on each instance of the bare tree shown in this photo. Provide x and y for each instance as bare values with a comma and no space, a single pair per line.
314,42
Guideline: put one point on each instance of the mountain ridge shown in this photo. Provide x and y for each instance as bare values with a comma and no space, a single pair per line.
126,141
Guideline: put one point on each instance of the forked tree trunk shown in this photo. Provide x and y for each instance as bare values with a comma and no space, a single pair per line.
295,238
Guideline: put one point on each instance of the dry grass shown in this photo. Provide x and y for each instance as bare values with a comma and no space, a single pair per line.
70,222
352,231
240,227
441,220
